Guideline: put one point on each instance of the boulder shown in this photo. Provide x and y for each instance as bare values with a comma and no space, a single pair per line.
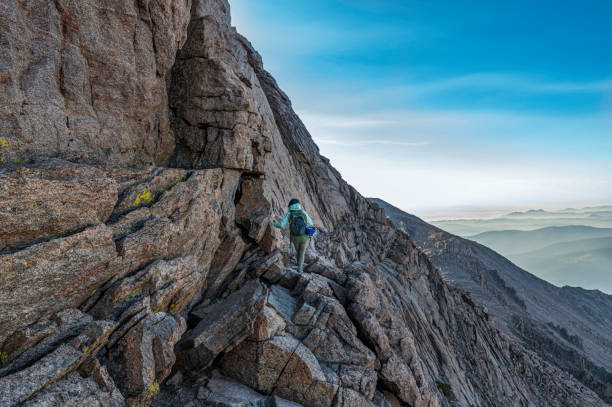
282,366
222,325
211,388
280,402
144,356
282,301
267,325
304,316
303,381
224,392
398,377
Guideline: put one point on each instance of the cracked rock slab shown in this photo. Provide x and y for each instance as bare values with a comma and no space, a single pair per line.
144,356
282,366
33,209
33,342
18,387
170,285
48,277
76,391
222,325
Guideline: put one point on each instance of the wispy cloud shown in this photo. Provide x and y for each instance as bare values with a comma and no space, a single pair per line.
380,120
365,143
484,136
513,82
442,183
506,95
351,122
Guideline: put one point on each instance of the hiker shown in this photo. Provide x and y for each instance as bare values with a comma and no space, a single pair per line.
301,228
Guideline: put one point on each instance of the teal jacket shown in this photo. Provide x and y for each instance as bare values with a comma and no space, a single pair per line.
283,223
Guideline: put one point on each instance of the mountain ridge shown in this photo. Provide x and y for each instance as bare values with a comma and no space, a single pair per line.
523,221
543,236
519,299
564,255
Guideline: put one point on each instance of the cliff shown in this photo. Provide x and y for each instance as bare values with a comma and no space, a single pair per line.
144,152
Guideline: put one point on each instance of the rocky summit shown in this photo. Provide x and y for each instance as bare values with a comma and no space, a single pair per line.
144,152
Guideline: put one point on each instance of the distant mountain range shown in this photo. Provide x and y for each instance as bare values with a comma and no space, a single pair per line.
563,255
531,213
510,242
572,252
569,327
599,217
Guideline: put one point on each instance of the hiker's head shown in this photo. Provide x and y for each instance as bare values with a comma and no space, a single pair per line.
293,202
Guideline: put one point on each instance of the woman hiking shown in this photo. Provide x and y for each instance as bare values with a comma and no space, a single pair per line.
299,222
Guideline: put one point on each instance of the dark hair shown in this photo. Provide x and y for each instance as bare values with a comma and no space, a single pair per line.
293,201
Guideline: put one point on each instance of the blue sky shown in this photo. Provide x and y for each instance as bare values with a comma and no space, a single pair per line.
446,106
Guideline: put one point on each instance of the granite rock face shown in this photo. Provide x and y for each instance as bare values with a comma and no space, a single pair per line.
145,151
87,80
56,206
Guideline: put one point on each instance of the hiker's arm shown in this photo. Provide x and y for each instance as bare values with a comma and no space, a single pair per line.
308,220
282,223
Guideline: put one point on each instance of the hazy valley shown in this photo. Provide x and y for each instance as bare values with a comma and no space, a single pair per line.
567,247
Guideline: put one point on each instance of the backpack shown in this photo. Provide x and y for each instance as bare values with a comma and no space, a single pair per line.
298,224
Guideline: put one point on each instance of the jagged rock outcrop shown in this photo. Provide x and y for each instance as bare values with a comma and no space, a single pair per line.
165,284
222,325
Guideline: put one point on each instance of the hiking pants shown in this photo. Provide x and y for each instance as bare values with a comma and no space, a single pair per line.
300,248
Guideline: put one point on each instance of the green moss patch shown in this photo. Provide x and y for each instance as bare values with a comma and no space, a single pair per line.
447,390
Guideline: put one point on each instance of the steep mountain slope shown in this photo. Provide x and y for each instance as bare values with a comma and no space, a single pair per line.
138,265
509,242
570,327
